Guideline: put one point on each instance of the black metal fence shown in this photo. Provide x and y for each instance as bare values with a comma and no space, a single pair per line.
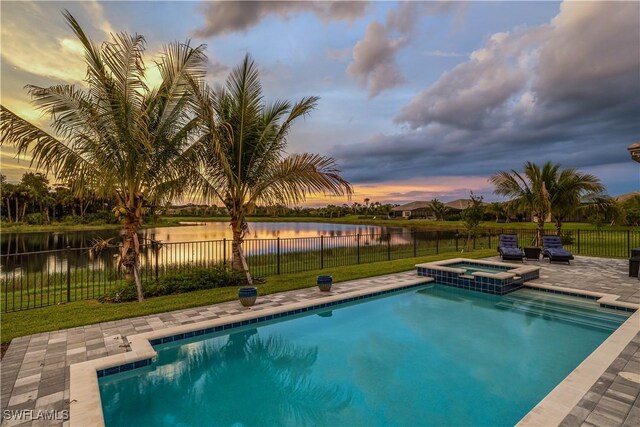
39,279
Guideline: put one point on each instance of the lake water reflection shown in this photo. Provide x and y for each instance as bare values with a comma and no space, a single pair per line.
18,243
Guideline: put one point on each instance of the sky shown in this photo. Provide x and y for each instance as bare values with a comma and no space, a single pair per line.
418,100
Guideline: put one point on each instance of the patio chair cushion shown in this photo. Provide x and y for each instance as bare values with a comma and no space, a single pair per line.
508,252
558,253
508,241
554,250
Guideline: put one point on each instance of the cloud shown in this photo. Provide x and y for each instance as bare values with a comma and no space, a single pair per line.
567,91
373,64
472,91
225,17
579,63
34,42
374,60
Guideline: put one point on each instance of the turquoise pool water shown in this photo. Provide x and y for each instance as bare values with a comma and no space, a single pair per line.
472,268
434,356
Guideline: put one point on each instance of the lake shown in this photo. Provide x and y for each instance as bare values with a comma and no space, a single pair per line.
13,243
182,244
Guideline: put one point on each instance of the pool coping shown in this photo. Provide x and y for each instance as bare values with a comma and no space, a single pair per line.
85,406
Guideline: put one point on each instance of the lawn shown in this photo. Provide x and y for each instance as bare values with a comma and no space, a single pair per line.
81,313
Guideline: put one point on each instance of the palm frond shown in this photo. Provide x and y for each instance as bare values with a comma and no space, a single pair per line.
48,153
299,176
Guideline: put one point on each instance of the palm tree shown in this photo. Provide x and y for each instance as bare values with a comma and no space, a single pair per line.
529,191
549,191
569,189
246,163
119,137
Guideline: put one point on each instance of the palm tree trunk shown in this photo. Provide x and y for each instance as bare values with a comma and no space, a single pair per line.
239,262
558,226
17,211
540,232
130,256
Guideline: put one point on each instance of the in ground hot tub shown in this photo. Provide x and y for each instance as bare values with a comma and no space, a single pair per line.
490,277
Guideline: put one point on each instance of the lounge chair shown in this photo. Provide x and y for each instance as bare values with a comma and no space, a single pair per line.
554,251
508,247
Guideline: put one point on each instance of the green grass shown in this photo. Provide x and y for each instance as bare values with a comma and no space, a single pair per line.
81,313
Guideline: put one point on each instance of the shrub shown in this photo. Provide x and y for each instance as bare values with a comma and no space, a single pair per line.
73,220
124,292
34,219
178,282
103,217
566,238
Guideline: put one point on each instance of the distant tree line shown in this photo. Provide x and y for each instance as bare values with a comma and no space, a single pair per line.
34,201
367,209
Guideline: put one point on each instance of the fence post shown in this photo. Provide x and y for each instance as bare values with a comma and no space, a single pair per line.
489,239
628,243
321,252
437,242
389,248
358,247
578,240
224,251
278,255
157,251
68,273
474,240
456,240
415,243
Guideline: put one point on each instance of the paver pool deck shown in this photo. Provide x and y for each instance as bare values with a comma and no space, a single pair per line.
35,370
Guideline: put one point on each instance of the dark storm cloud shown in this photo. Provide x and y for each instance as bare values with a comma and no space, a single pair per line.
226,17
568,91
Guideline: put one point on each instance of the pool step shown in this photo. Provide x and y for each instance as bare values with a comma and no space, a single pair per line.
573,312
565,300
554,307
564,303
608,326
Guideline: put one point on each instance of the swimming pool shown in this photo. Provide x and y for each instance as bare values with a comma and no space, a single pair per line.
432,356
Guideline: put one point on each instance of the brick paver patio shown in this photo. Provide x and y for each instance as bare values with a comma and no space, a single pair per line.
35,369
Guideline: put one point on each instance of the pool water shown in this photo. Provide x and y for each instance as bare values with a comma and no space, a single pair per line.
432,356
472,268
